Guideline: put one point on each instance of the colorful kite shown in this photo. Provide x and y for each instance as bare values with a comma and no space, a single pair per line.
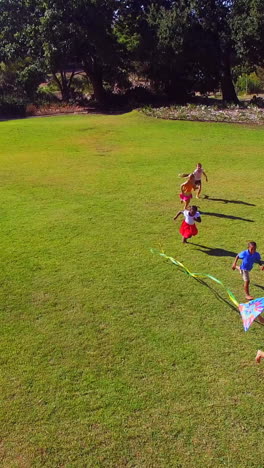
248,311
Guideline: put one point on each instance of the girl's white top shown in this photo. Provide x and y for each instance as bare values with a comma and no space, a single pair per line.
198,173
190,219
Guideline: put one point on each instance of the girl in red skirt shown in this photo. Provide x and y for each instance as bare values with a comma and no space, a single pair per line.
188,228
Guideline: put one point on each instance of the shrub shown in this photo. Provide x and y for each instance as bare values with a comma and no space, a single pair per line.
45,96
31,109
139,95
249,84
12,107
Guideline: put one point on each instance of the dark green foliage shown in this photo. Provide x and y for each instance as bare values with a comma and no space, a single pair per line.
180,46
20,78
139,95
170,28
81,32
30,78
215,18
248,30
11,106
249,84
61,33
183,46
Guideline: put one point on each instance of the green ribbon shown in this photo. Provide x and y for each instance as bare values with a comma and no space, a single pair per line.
184,269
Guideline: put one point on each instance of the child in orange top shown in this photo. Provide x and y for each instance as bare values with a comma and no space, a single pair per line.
198,172
186,190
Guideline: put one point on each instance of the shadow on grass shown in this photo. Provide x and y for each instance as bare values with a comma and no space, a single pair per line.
214,251
220,215
238,202
217,295
258,286
220,298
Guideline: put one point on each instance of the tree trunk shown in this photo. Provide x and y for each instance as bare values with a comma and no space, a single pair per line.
64,84
94,75
227,85
65,89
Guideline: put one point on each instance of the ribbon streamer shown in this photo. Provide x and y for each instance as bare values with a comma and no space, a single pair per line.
248,311
197,275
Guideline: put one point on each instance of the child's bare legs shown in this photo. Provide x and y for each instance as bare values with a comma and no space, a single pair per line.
246,289
186,203
184,241
246,284
199,190
259,356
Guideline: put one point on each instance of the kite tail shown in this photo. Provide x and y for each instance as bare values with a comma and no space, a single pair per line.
184,269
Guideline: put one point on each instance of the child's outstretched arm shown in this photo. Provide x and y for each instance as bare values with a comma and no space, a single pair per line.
198,219
235,263
178,214
205,176
184,175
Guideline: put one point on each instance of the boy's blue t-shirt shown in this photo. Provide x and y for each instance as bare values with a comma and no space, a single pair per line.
248,259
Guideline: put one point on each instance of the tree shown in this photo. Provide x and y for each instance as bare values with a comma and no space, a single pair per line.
187,48
21,78
215,17
20,73
248,31
183,45
60,33
180,45
81,32
156,32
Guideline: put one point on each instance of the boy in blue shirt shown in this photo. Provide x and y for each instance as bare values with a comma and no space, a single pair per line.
248,257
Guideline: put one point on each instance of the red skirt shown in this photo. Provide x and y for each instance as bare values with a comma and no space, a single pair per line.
188,230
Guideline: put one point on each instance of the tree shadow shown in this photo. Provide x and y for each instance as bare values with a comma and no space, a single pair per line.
214,251
238,202
221,215
109,110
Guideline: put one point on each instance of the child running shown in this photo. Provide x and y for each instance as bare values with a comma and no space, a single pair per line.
198,173
188,227
186,190
260,354
248,257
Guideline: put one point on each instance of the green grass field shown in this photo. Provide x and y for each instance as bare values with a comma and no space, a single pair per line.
111,357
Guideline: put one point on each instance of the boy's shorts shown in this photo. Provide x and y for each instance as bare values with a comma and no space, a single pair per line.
198,183
245,275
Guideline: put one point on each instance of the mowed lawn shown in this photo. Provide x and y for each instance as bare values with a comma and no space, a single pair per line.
109,356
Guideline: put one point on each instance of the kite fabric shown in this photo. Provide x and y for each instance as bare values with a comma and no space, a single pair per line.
248,311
